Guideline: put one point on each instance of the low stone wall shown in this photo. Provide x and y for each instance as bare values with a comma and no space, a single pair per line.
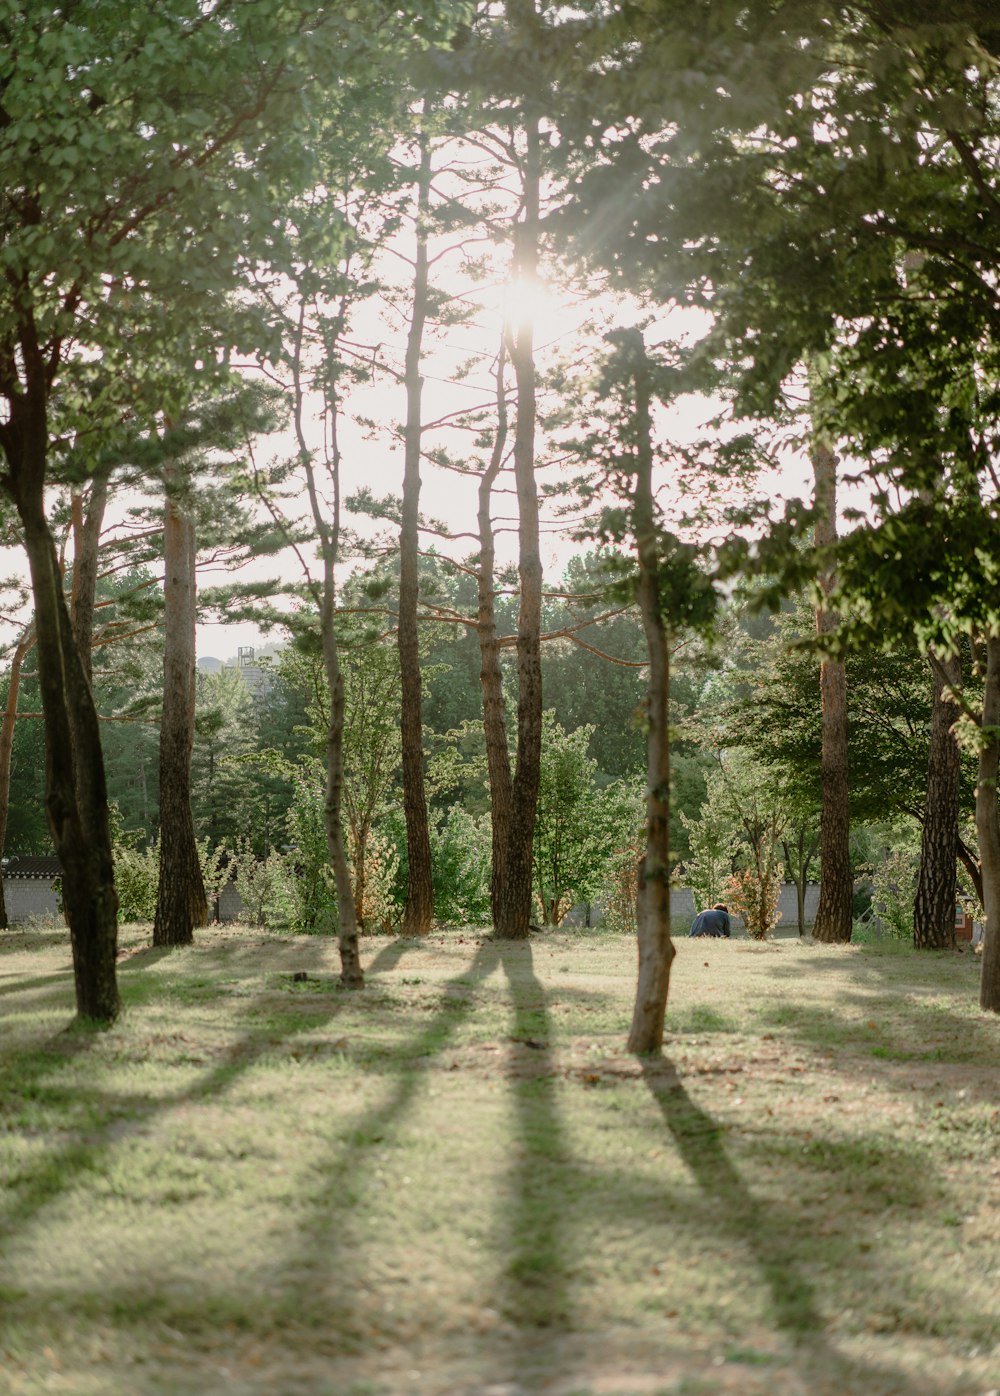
26,897
682,904
29,896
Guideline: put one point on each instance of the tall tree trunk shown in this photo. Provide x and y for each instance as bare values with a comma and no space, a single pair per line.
88,520
76,796
328,533
27,639
834,914
934,904
181,903
515,890
490,671
656,949
419,911
988,826
351,972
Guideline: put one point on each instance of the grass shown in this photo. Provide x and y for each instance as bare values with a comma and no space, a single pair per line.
457,1181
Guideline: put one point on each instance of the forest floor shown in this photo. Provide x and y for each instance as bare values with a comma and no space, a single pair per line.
457,1180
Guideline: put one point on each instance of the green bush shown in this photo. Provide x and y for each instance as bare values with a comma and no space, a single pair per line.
137,877
460,859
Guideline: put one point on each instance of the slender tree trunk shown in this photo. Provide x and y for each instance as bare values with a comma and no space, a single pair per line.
988,826
7,726
799,868
972,867
490,671
88,520
181,903
76,796
656,949
934,904
514,892
351,973
834,915
360,876
419,911
328,533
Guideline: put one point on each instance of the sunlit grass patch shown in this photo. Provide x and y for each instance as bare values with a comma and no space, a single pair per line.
459,1172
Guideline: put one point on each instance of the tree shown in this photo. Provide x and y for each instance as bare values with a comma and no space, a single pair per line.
372,741
419,910
834,914
673,594
934,900
123,221
578,823
181,903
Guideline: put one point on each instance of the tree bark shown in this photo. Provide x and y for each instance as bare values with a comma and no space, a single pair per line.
328,533
351,973
181,903
76,796
87,525
513,918
656,949
988,826
419,910
834,914
490,671
934,904
7,726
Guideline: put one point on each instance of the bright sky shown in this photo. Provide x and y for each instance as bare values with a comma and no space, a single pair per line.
449,497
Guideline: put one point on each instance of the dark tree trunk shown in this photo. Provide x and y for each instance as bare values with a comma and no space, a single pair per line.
656,949
934,904
419,911
490,671
988,826
513,919
972,867
7,747
835,912
76,796
181,903
347,929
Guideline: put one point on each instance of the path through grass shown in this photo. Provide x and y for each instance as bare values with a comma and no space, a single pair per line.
458,1182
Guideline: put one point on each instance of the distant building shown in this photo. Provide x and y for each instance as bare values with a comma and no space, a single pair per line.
257,677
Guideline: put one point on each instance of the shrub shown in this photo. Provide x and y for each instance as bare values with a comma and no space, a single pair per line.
137,877
894,885
753,893
461,850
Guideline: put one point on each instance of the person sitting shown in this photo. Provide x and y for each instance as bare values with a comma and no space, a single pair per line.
714,922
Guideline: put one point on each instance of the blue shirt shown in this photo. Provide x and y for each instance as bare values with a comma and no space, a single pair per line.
711,923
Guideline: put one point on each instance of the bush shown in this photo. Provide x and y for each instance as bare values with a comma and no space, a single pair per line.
137,878
461,850
622,885
257,882
753,893
894,886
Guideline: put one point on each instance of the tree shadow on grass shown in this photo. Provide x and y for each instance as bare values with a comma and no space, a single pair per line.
329,1246
536,1281
533,1288
762,1229
390,955
111,1116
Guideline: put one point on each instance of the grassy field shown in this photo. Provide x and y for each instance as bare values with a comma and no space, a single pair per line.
458,1182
